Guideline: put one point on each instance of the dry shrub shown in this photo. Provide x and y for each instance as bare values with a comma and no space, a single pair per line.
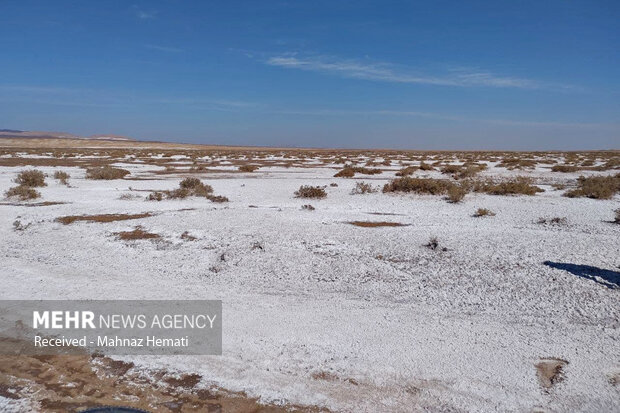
106,172
451,169
308,207
515,186
333,184
350,171
456,193
517,163
62,177
31,178
596,187
179,193
217,198
190,183
155,196
248,168
363,188
307,191
22,193
418,185
433,243
564,168
552,221
558,187
409,170
617,212
484,212
426,167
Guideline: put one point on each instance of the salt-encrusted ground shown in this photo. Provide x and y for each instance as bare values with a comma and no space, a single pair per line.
321,312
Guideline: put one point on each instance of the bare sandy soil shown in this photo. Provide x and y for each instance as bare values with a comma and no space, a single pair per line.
373,301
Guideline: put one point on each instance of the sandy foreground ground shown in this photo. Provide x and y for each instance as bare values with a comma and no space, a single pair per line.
505,315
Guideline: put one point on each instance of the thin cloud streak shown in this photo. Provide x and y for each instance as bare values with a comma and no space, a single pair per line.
164,48
387,73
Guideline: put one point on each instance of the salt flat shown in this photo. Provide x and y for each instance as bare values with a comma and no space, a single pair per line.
323,313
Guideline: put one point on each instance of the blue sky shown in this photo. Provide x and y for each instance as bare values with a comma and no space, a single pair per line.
391,74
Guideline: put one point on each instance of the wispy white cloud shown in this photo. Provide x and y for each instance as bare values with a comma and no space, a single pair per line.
164,48
144,14
386,72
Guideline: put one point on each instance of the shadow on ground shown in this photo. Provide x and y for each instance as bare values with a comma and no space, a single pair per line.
608,278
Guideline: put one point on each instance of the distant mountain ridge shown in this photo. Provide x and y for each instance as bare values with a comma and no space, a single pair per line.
13,133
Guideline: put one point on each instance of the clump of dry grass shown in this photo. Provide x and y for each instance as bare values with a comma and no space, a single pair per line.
350,171
23,193
433,243
155,196
426,167
136,234
307,191
456,193
484,212
517,163
106,172
248,168
31,178
62,177
596,187
418,185
363,188
409,170
558,186
217,198
552,221
564,168
515,186
308,207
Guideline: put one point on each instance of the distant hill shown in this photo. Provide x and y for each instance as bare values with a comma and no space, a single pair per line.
11,133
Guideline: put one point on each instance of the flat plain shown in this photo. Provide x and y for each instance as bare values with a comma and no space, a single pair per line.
370,280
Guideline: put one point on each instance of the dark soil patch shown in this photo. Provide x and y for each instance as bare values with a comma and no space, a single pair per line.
370,224
70,219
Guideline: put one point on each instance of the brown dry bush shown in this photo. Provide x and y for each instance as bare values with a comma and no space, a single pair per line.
62,177
217,198
426,167
350,171
596,187
307,191
155,196
418,185
363,188
456,193
515,186
409,170
31,178
564,168
22,193
248,168
106,172
484,212
517,163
